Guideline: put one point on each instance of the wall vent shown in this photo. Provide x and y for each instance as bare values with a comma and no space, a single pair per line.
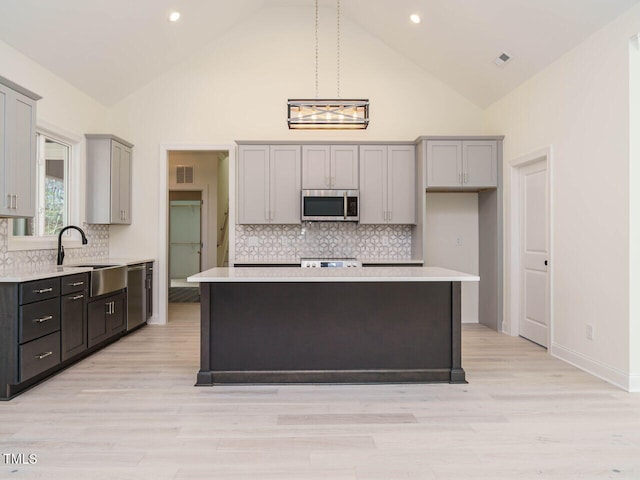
502,59
184,174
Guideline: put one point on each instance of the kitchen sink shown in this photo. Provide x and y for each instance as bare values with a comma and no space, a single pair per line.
106,278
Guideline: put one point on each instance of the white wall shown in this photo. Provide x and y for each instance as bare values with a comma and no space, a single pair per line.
452,241
66,111
237,87
580,107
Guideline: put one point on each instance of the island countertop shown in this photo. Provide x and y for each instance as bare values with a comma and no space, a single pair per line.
360,274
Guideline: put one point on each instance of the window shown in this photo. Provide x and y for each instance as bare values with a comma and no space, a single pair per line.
56,167
51,192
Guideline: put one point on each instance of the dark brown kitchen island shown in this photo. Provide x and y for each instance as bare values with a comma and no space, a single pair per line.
293,325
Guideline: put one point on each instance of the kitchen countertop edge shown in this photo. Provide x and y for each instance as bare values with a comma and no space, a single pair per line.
29,273
365,274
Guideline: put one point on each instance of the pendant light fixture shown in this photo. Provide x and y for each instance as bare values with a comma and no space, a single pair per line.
335,113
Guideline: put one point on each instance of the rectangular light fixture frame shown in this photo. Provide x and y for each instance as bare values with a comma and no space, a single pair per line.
328,114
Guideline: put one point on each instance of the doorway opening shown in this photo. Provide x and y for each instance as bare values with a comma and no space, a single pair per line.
530,249
187,214
193,207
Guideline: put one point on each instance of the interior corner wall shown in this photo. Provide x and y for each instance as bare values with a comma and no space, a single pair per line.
62,105
452,241
65,110
579,106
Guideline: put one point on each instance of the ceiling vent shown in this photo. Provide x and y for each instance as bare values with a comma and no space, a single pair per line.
502,59
184,174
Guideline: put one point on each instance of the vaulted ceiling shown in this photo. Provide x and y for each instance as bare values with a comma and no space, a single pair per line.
90,43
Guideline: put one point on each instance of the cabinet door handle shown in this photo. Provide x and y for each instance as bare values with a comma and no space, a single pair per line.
466,177
16,204
43,355
76,284
9,202
43,290
43,319
77,297
390,215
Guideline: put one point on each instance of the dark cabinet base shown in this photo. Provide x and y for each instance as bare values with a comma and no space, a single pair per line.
334,332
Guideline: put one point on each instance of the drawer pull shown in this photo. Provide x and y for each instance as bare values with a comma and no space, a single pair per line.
43,319
44,290
43,355
77,297
76,284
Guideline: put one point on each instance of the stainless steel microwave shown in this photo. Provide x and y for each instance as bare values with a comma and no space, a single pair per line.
330,206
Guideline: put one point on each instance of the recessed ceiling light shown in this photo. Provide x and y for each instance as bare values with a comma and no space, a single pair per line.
174,16
415,18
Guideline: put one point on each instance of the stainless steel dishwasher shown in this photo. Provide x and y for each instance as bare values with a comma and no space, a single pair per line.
136,296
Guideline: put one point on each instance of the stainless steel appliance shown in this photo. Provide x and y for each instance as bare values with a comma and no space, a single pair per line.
330,205
136,296
107,278
330,263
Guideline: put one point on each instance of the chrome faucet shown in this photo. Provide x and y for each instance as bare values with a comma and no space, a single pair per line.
61,248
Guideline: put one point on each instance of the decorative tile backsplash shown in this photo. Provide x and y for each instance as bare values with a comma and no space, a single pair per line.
289,243
96,249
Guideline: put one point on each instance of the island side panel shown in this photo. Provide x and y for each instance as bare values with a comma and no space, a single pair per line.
457,373
334,331
204,375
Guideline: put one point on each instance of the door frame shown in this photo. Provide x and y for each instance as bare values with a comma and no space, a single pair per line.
163,214
513,241
204,215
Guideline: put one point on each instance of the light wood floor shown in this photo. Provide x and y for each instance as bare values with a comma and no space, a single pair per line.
131,412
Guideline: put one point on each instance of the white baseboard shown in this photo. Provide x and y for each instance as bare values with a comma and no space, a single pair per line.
634,383
605,372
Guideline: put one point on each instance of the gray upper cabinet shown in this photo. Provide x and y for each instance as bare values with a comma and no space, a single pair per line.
269,184
387,184
462,164
17,150
108,179
330,166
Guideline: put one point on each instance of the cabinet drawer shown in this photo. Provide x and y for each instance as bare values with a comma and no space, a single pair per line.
39,319
75,283
39,355
39,290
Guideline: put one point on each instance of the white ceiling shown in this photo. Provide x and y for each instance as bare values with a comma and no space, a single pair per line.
110,48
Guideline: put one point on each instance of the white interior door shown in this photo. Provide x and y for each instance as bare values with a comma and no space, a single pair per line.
534,247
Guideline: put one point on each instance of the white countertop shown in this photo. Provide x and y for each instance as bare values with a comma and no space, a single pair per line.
364,274
27,273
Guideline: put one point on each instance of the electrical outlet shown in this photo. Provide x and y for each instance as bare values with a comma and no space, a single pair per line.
253,241
284,240
589,332
458,241
385,240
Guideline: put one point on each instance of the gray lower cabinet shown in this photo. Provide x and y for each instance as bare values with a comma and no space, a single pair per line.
17,150
73,313
106,318
30,325
149,290
45,327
